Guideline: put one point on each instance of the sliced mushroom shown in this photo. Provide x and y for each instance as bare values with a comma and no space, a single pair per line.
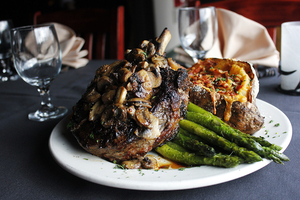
159,61
135,55
120,112
108,97
141,83
149,162
105,70
144,44
121,95
151,49
143,64
96,111
129,86
146,119
155,78
139,102
142,116
107,119
92,96
124,74
103,81
131,164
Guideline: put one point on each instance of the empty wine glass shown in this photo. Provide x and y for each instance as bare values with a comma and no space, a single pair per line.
7,73
197,30
37,59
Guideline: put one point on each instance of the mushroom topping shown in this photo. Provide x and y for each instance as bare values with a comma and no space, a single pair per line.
143,64
124,75
139,102
150,50
107,69
131,164
142,116
120,112
146,119
150,162
96,111
121,95
108,96
155,79
153,131
141,84
107,117
92,96
135,55
103,81
159,61
103,69
144,44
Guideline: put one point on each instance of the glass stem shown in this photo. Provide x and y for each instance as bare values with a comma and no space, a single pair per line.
46,105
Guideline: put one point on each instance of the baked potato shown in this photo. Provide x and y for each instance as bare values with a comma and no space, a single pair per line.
228,89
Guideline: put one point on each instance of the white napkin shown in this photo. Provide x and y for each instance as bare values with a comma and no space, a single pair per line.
239,38
70,45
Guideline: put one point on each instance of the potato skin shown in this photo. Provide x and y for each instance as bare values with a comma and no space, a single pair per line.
245,116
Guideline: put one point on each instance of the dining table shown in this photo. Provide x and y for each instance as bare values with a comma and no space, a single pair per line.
29,170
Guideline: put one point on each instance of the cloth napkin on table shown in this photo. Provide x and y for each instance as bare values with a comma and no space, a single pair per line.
239,38
70,45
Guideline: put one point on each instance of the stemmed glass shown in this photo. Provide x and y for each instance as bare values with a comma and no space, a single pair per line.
197,30
7,72
37,59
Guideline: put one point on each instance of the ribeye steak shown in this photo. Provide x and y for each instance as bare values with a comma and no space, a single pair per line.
133,105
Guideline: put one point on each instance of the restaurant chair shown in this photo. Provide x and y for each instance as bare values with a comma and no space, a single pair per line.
102,29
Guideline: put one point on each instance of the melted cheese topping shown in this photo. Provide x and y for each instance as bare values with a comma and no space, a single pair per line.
228,79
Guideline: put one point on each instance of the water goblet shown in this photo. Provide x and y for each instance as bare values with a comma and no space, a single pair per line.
7,73
197,30
37,59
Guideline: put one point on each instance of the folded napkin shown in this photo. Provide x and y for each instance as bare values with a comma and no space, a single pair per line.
239,38
70,45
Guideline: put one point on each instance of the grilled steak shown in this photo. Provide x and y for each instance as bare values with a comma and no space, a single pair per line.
131,106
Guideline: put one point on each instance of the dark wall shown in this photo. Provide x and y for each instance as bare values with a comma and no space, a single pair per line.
139,23
139,20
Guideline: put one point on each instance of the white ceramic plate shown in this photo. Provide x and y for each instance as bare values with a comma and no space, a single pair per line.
75,160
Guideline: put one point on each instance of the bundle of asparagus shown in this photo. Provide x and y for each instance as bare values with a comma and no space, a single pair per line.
202,134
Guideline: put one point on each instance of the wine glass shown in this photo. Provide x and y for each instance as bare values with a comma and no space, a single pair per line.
7,73
197,30
37,59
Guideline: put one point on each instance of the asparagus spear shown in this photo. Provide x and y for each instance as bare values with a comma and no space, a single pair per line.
194,108
261,141
214,139
214,123
211,122
177,153
198,147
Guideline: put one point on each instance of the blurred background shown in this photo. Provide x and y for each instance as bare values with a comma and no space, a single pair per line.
144,19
